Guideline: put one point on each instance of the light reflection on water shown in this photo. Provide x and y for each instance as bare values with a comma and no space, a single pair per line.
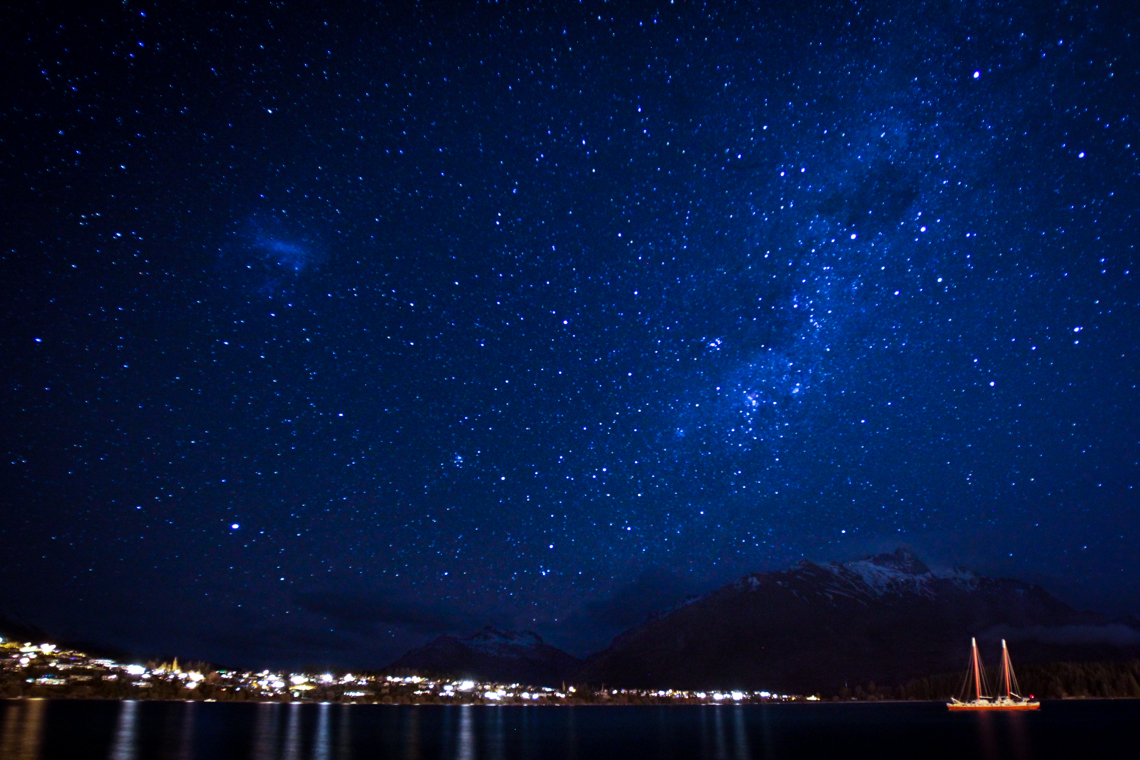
739,735
723,733
466,748
412,734
54,730
344,736
1004,735
495,747
265,732
21,730
184,746
321,749
280,733
126,732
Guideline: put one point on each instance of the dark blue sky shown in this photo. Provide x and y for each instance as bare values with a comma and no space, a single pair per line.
328,331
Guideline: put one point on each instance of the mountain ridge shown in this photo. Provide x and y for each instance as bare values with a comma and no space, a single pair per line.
885,618
492,655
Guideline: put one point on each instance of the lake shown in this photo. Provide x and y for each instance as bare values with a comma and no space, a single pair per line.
78,730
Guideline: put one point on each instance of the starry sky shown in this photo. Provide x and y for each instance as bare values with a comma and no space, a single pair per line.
328,330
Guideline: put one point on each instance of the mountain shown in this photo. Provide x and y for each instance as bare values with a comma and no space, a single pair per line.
491,655
15,630
887,619
12,629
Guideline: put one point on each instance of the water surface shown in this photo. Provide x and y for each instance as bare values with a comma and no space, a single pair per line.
97,730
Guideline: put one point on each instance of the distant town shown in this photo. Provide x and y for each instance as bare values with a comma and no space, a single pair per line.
44,670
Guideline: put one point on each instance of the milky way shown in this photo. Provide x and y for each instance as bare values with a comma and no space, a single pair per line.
548,318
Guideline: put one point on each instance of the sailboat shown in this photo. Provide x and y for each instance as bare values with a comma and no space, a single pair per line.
1007,697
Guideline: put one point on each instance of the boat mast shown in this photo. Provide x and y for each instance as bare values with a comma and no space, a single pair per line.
1004,669
977,670
1005,695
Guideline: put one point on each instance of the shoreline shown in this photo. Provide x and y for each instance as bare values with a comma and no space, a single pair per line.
672,703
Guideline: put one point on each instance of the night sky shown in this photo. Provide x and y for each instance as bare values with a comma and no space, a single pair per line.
330,330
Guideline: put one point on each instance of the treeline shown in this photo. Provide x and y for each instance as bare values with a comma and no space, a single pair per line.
1054,680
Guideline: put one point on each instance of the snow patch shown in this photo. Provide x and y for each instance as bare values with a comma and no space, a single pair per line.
869,578
503,643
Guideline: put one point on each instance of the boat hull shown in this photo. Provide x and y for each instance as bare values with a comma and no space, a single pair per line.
992,706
